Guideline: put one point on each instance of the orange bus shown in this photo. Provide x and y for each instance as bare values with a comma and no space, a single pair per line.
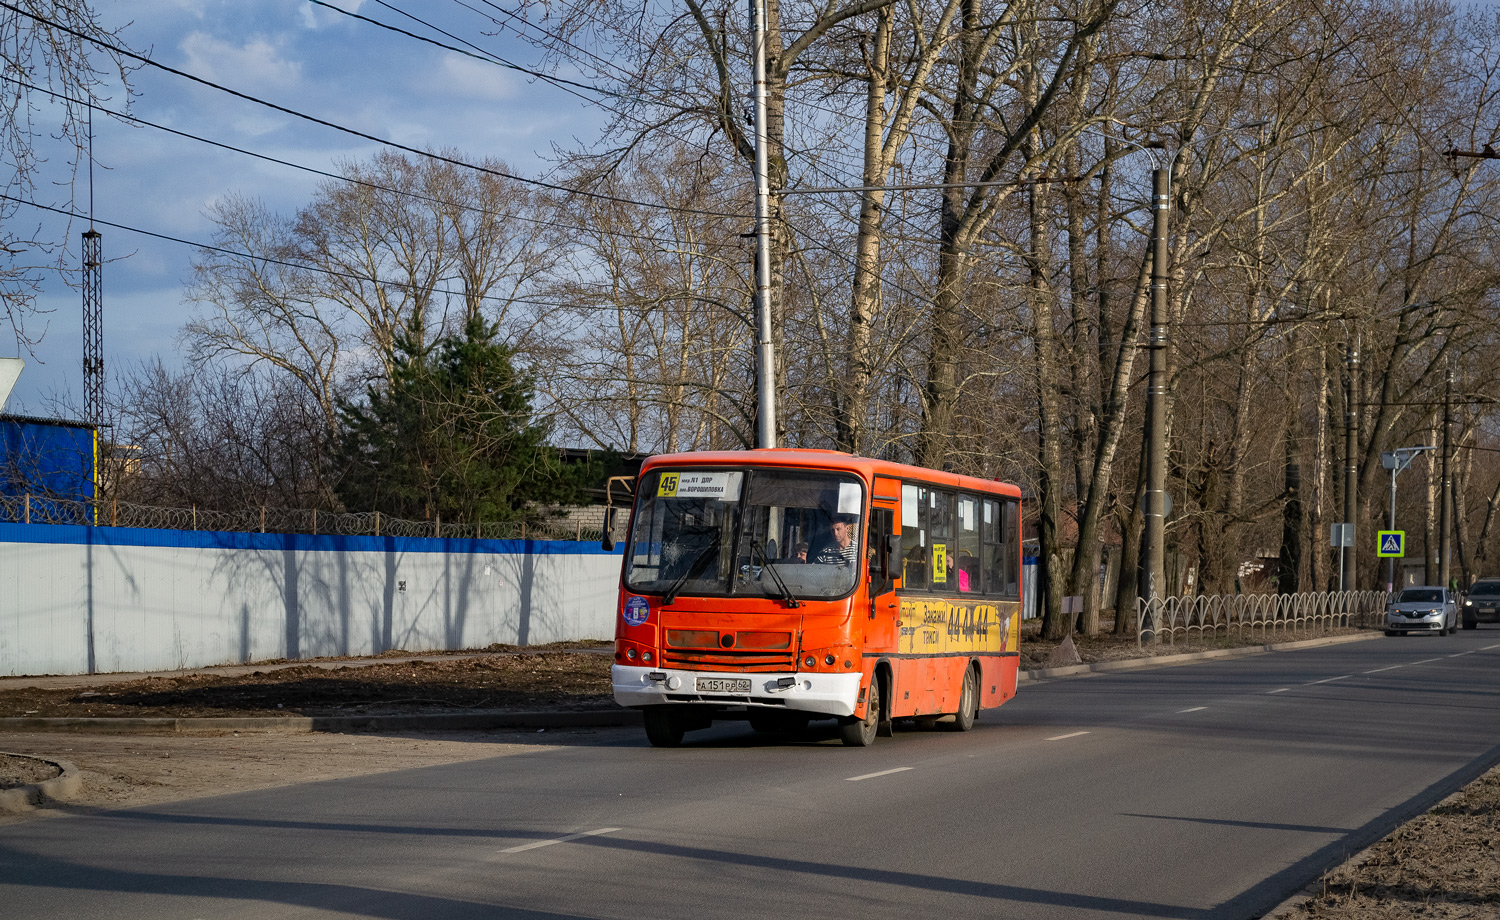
785,586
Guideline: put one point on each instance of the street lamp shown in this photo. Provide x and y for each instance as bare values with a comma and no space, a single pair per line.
1396,461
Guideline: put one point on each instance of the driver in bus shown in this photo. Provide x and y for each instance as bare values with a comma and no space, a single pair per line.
842,550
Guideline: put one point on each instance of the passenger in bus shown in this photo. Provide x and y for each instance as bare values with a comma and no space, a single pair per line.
841,549
799,553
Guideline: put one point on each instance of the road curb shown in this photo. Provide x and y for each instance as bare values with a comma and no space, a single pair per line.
458,721
604,718
1162,661
26,798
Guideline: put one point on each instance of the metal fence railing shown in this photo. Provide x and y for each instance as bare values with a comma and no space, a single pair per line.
37,509
1200,616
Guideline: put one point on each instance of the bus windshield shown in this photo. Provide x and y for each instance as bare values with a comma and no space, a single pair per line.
756,532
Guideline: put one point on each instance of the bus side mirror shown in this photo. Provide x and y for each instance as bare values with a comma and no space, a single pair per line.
608,542
890,559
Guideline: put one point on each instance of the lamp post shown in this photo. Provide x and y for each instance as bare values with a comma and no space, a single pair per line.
765,351
1396,461
1156,394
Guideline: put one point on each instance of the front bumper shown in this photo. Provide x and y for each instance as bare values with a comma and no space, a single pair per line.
827,694
1482,614
1431,623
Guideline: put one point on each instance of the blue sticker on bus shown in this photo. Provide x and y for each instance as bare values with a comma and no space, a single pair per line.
636,611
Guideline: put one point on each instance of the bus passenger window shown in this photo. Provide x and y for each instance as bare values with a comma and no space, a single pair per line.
967,564
914,518
994,549
1010,541
940,507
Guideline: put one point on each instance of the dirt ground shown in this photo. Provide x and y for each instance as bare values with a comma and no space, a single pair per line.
1444,865
506,680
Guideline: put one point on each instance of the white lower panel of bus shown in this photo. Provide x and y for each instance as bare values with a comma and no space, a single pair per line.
829,694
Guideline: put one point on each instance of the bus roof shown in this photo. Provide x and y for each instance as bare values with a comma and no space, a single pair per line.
811,458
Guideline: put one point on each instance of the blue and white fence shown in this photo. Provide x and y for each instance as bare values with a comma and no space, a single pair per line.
77,599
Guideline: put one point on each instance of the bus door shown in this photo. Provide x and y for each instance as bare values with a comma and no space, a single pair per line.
882,568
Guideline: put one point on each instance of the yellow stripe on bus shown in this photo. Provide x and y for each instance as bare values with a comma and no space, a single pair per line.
939,626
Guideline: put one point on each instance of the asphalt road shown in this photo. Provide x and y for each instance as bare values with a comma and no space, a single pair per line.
1206,791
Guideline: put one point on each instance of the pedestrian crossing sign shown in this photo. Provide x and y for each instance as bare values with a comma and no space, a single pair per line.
1392,544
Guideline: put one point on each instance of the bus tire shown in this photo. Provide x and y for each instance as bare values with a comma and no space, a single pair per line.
968,703
664,726
857,732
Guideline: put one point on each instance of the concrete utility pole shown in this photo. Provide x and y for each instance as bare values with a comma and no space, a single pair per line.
1351,462
1445,516
1156,394
765,349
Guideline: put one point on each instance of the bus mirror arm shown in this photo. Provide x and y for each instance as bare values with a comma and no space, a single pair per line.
608,541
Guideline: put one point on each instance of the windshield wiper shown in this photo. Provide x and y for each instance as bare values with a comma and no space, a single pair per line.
694,569
786,593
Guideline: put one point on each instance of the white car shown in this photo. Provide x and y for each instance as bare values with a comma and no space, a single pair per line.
1425,608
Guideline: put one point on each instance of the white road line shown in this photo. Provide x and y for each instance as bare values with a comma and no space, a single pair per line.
1462,654
547,843
1391,668
1489,648
1194,709
1065,737
1282,690
1327,680
855,779
1427,661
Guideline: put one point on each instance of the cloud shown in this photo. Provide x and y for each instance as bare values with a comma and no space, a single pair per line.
255,64
463,76
310,13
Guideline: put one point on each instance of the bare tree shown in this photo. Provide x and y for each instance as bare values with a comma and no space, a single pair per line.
58,62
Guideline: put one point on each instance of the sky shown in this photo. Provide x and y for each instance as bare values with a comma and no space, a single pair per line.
304,57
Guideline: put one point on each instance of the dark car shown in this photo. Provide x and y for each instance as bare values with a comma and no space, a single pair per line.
1482,603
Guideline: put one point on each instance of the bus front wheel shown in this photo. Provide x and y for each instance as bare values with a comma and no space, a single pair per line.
856,732
664,727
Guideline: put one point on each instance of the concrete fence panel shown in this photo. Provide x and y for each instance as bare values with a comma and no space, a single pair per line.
76,599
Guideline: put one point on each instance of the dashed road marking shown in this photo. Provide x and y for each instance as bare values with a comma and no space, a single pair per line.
855,779
1390,668
547,843
1462,654
1489,648
1427,661
1067,736
1328,680
1194,709
1282,690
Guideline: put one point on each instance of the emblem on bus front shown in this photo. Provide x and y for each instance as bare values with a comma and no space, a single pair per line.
636,611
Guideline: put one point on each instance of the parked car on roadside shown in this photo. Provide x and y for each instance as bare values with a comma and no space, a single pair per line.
1425,608
1482,603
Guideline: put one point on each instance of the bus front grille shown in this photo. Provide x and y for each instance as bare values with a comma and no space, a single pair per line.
728,660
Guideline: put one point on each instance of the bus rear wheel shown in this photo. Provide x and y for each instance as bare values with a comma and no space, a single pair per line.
856,732
664,726
968,703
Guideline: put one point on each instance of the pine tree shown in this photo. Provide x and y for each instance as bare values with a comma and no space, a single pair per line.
452,434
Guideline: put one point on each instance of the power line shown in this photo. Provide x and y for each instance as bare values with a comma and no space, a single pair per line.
125,116
354,132
483,55
302,266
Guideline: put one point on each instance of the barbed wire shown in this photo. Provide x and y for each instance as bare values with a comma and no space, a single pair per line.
44,509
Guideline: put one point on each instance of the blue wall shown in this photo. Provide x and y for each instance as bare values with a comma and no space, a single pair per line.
46,460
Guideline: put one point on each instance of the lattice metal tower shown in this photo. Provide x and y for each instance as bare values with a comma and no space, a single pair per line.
93,329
